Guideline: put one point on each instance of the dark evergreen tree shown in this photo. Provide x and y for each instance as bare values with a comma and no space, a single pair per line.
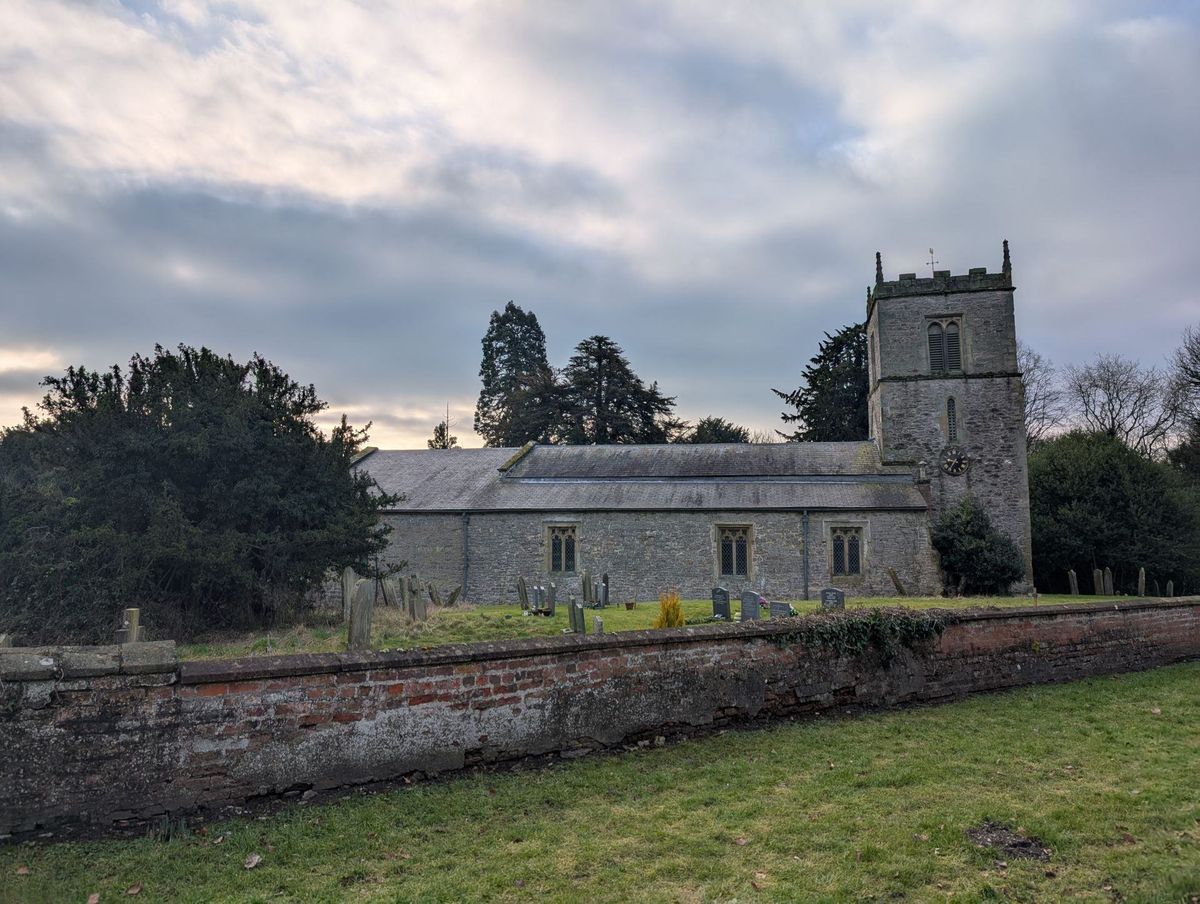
193,486
975,557
831,406
716,430
519,400
1096,503
441,438
605,402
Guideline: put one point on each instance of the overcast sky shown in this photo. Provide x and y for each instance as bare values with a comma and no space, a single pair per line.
351,189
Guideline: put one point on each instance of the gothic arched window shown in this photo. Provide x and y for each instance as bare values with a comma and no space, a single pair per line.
937,348
945,347
953,349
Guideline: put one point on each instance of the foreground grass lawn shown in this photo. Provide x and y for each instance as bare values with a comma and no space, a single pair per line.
1104,772
462,624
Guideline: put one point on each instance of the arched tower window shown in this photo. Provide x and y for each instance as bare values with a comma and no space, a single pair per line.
937,348
953,349
952,420
945,347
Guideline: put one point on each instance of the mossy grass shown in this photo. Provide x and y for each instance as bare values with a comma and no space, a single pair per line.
873,808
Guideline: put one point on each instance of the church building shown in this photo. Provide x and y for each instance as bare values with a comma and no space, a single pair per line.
946,421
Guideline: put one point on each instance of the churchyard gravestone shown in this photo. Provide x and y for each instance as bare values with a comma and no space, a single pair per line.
1170,588
523,594
349,579
391,592
435,595
362,607
578,617
597,625
749,605
1098,580
585,587
6,640
1108,581
416,607
1073,580
720,598
536,601
832,598
551,598
1157,589
1141,582
131,630
604,589
453,598
780,610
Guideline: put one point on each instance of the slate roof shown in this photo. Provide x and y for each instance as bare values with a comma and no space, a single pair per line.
726,476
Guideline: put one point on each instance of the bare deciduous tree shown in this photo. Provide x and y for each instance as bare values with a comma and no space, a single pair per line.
1045,406
1187,368
1140,406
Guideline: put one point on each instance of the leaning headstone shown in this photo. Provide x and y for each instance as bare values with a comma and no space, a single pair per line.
361,609
1073,580
349,579
720,598
1108,581
131,630
453,598
1141,582
578,617
900,591
391,592
832,598
435,595
1098,580
597,625
6,640
1157,589
780,610
523,593
749,605
1170,588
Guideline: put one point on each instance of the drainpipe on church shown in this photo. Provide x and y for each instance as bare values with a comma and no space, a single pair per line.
804,521
466,530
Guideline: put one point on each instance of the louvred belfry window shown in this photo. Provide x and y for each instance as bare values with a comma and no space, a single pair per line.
937,348
945,346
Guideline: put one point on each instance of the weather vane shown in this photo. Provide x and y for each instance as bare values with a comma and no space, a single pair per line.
932,262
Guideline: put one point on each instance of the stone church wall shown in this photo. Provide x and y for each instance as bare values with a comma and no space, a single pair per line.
645,553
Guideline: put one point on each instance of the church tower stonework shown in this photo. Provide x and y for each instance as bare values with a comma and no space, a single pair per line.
946,397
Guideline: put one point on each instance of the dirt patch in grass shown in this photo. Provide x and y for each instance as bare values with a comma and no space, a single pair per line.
1008,843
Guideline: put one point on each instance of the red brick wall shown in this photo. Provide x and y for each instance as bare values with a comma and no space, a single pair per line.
89,736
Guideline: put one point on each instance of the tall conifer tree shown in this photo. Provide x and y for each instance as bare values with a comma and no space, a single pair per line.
518,401
831,406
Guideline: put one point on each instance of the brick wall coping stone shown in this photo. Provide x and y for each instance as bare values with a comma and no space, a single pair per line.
62,662
260,667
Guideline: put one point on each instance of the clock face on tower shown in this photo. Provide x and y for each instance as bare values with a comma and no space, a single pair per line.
955,461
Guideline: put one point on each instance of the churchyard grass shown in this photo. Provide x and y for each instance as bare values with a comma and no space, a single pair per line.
869,808
466,623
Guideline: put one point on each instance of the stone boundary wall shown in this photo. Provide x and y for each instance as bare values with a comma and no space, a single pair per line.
103,734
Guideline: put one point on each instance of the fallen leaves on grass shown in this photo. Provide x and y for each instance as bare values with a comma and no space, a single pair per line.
94,898
134,889
252,861
741,842
23,870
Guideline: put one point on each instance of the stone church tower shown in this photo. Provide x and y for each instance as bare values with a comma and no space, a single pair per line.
945,393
